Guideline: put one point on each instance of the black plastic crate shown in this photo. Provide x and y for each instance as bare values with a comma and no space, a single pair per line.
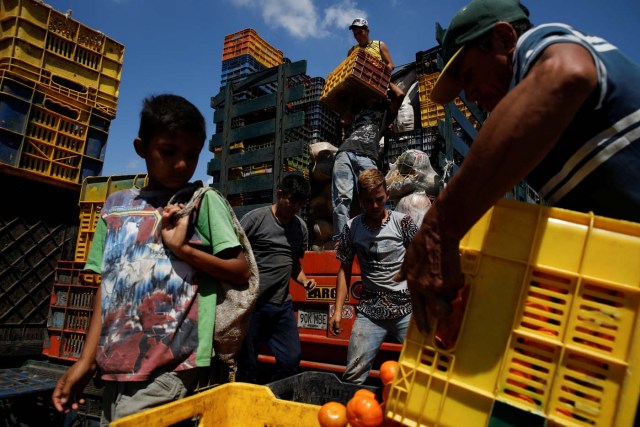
318,388
427,140
32,241
427,61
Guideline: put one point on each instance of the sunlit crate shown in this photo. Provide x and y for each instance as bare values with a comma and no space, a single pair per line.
93,194
232,404
430,112
52,48
359,77
46,136
551,327
248,42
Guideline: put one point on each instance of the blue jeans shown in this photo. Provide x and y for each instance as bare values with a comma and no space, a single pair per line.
366,337
346,168
276,325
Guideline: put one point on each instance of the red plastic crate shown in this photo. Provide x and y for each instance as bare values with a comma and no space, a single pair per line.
70,310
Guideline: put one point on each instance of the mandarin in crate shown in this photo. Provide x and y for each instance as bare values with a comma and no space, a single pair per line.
364,411
332,414
388,371
364,392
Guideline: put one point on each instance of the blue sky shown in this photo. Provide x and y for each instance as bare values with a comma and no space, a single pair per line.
176,46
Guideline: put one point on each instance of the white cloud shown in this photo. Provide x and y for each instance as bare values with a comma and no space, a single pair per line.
302,18
134,164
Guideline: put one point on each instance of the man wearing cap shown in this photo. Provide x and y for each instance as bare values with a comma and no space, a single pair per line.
365,124
376,48
565,115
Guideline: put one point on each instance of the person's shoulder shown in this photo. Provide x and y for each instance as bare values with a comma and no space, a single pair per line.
550,31
301,221
257,212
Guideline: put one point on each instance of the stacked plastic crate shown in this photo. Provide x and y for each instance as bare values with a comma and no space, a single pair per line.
245,53
59,83
320,120
428,72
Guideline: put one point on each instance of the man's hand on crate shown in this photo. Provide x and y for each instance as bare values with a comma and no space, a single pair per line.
431,268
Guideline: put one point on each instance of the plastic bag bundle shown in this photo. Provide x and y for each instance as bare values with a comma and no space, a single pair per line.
323,154
415,205
411,172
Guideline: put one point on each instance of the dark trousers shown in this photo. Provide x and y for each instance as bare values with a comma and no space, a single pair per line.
275,325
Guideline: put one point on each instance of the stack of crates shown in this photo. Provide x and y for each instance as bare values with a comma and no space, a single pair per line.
360,76
319,119
245,53
59,83
427,72
71,303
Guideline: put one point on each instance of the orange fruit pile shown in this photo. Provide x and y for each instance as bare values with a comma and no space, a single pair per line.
363,409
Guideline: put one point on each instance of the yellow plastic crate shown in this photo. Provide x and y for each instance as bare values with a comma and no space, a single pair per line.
360,76
36,38
48,136
430,112
551,326
233,404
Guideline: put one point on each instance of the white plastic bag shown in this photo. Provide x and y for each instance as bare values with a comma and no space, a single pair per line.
415,204
323,154
412,171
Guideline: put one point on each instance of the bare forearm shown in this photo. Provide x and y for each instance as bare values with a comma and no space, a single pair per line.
342,279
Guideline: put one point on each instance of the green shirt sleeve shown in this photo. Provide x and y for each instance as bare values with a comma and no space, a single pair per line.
94,258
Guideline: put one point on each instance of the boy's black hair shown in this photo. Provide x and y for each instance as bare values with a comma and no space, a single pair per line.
169,113
296,186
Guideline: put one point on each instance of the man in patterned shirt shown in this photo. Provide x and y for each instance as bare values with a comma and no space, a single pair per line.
379,237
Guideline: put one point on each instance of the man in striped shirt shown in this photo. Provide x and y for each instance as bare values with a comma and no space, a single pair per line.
565,115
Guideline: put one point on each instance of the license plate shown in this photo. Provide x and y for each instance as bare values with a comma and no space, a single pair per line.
312,319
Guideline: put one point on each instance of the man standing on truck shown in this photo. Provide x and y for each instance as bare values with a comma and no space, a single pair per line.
379,237
279,239
565,115
365,123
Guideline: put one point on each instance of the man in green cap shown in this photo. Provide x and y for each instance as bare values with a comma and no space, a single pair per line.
565,115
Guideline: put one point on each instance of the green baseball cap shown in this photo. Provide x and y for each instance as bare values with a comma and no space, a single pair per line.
468,24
